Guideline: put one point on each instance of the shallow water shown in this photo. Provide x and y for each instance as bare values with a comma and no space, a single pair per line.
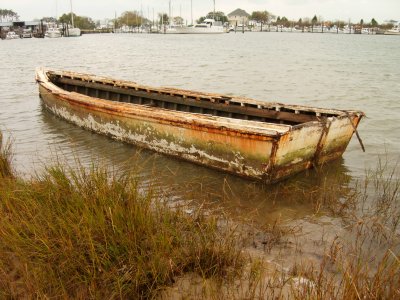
326,70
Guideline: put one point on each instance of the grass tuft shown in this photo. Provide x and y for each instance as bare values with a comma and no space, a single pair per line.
6,170
91,233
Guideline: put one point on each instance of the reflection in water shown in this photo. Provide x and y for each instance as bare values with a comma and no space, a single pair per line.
181,180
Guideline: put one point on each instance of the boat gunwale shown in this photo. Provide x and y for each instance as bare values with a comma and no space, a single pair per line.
211,96
246,128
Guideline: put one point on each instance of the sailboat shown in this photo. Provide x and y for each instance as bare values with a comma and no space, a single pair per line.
52,29
72,31
207,26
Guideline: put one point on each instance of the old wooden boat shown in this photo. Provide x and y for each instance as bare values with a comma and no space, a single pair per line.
266,141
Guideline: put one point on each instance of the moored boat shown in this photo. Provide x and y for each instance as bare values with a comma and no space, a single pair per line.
266,141
72,31
27,33
11,35
53,32
208,26
394,31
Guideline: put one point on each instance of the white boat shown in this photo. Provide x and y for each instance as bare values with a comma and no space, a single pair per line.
297,30
207,26
348,29
272,28
11,35
319,29
72,31
394,31
335,29
242,27
53,32
367,31
27,33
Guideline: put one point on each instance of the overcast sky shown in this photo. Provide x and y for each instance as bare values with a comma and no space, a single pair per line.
355,10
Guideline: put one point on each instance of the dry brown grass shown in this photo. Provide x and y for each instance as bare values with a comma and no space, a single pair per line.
93,234
6,170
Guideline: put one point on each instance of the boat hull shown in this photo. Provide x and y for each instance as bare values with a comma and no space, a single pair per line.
73,32
53,35
391,32
194,30
267,152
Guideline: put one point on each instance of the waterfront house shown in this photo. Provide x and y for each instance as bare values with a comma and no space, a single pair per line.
238,16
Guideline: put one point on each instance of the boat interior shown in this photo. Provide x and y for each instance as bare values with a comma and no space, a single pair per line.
187,101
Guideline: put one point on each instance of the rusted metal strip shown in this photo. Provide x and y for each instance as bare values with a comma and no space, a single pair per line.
326,123
270,167
356,131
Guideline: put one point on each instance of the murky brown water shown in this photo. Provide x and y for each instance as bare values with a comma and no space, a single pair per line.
334,71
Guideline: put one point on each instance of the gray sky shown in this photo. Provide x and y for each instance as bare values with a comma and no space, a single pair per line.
355,10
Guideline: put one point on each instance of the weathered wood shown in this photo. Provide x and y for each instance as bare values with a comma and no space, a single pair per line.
244,108
201,127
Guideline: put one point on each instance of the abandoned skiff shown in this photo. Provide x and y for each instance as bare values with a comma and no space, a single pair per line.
267,141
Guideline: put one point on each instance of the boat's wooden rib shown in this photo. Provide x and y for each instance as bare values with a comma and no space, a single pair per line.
267,141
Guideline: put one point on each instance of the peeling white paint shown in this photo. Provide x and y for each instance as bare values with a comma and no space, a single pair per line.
116,131
296,160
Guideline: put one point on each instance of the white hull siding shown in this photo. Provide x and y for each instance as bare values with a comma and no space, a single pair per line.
73,32
392,32
195,30
53,34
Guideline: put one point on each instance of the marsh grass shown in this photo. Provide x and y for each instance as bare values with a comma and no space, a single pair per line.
361,262
6,155
364,263
90,233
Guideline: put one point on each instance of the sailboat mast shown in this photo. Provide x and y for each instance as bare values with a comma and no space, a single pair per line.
56,10
169,21
191,10
72,15
214,11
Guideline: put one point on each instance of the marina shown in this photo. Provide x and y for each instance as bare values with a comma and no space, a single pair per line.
208,25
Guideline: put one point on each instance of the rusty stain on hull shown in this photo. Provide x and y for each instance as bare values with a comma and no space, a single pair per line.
266,141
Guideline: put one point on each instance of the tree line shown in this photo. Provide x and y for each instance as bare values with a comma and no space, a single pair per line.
135,19
7,15
79,21
266,17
